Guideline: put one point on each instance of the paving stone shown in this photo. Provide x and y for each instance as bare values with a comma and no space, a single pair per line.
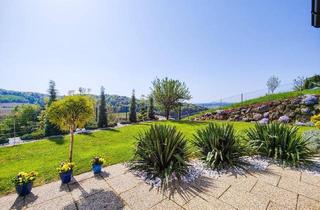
46,192
275,206
276,194
88,187
124,182
64,203
210,203
244,200
142,197
12,201
305,203
286,172
114,170
302,188
166,204
310,178
268,177
104,200
242,183
83,176
210,186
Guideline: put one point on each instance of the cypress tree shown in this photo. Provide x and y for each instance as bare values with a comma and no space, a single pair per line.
102,118
151,114
49,128
133,114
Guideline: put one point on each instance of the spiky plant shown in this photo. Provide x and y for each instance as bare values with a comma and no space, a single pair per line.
219,146
162,153
279,141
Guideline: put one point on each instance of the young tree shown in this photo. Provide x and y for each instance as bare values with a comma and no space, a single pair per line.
143,114
168,93
70,113
151,114
298,84
272,83
49,128
133,114
102,117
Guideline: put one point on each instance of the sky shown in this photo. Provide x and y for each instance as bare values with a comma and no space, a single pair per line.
218,48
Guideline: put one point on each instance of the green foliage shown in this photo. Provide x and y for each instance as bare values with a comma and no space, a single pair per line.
133,113
279,141
3,139
65,167
50,129
143,115
71,112
151,114
312,82
161,152
97,160
102,117
219,146
169,93
24,178
39,134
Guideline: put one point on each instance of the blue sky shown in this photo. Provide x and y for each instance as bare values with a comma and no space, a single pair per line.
219,48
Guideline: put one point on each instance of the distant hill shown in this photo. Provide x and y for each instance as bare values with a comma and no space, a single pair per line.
213,104
119,103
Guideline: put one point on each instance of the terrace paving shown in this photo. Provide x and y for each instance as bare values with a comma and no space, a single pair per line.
118,188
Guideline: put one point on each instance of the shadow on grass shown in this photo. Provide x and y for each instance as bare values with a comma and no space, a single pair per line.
57,139
186,122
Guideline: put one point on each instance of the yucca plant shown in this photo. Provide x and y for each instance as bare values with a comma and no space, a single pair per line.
279,141
219,146
161,152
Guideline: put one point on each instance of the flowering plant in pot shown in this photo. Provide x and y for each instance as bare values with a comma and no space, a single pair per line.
23,182
65,171
97,163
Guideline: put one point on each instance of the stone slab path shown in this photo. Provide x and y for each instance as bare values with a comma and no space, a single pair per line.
117,188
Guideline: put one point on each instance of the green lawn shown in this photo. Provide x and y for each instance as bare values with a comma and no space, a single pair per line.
271,97
115,145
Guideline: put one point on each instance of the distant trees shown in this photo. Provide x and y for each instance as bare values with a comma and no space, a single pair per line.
70,113
312,82
49,128
273,83
298,83
151,114
102,113
133,106
169,93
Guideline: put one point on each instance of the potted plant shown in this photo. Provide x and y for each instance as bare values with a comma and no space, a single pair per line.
65,171
97,163
23,182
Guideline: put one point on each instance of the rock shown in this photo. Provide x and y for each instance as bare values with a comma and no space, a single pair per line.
284,119
257,116
266,114
304,124
264,121
306,110
263,108
310,100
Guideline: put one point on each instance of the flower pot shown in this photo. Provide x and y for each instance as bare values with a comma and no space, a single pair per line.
24,189
66,177
96,168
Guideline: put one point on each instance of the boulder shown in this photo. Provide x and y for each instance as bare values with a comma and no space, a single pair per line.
264,121
257,116
310,100
266,115
284,119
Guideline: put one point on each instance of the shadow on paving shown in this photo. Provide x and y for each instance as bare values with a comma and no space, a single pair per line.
96,199
21,202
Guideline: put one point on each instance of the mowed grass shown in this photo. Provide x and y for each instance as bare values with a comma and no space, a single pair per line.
116,145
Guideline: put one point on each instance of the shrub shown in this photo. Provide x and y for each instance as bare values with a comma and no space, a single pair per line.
3,140
65,167
313,136
24,178
112,124
219,146
280,142
34,135
161,152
